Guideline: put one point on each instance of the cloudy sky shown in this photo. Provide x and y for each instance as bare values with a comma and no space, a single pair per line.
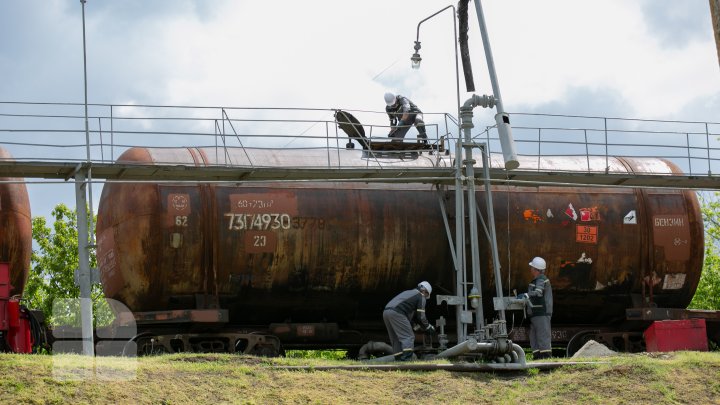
652,59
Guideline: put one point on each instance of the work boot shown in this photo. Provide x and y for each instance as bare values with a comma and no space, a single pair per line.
407,355
541,355
422,138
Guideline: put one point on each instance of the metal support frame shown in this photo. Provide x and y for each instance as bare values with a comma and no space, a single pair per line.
467,181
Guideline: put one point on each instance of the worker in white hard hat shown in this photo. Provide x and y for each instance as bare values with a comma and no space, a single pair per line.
539,308
400,312
403,114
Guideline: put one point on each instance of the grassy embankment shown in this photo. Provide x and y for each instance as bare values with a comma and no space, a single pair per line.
685,377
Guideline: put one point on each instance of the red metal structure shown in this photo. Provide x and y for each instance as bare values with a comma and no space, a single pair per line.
14,318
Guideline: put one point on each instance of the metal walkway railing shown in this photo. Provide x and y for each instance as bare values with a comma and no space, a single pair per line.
48,140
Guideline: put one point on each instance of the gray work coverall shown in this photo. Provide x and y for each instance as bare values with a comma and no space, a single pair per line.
398,314
403,107
540,312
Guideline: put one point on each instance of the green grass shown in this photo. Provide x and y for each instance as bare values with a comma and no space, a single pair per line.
683,377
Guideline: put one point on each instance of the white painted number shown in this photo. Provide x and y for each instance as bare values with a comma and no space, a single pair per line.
263,222
260,240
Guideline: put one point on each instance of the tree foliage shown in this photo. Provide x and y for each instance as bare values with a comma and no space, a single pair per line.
53,263
707,295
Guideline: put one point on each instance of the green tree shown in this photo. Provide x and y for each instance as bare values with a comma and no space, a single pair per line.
707,295
53,264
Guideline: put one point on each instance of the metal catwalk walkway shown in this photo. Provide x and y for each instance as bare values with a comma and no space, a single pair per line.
441,175
48,141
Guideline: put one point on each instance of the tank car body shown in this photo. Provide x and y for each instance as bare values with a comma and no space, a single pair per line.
16,225
336,252
15,249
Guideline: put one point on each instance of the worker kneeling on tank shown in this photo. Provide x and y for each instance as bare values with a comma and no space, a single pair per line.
400,312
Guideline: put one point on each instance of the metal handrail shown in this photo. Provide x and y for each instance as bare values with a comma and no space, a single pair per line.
52,132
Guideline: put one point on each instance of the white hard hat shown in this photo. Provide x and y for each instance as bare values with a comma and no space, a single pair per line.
538,263
390,100
426,286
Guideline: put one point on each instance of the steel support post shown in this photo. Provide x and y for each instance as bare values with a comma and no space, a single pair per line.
84,276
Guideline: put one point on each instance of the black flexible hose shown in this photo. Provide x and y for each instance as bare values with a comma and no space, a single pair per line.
37,331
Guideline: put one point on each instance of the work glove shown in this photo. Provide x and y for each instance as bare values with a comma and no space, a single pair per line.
400,123
523,296
430,330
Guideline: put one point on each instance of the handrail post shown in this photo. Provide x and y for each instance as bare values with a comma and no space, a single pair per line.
687,140
707,137
607,158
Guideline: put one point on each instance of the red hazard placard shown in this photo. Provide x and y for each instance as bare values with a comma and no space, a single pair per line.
586,234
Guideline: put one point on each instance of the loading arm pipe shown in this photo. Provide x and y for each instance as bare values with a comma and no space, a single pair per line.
484,101
467,346
502,119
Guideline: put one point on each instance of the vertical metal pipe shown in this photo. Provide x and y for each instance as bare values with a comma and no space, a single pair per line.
87,126
459,208
91,216
491,225
447,227
455,44
84,276
466,125
459,241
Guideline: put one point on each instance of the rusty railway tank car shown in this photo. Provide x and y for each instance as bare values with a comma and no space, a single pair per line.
16,225
19,329
315,262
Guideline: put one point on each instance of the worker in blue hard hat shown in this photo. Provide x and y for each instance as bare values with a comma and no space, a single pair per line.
403,114
407,307
539,308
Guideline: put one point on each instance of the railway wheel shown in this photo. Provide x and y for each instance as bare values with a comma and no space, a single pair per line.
579,340
149,346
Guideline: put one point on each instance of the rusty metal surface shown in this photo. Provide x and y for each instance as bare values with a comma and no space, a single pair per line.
182,316
660,314
336,252
16,225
